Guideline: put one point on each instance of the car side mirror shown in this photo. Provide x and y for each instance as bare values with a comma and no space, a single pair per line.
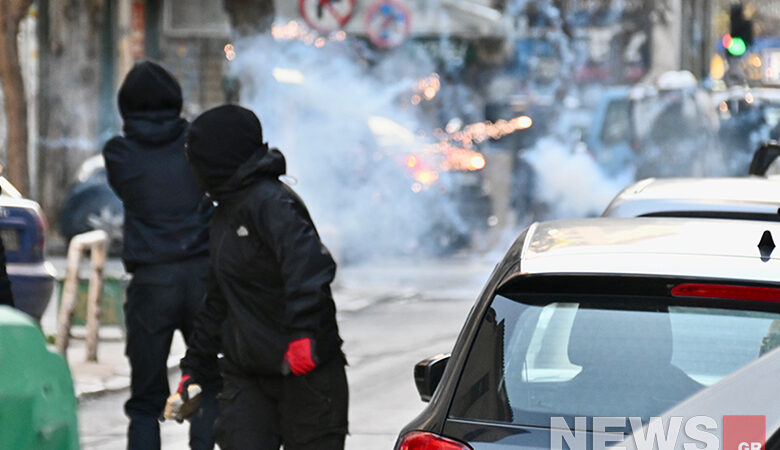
427,375
764,157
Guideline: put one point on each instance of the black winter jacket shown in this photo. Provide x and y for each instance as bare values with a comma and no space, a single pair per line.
166,213
270,276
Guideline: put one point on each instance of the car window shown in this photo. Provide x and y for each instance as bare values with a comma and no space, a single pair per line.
568,356
617,123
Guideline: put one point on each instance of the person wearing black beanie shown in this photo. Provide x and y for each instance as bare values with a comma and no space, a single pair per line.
165,247
269,310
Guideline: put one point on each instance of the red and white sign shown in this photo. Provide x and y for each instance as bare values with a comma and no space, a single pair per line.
326,16
388,23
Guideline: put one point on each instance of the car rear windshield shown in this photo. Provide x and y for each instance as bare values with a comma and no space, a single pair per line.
538,357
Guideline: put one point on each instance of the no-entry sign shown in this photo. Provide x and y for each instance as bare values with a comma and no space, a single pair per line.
326,15
387,23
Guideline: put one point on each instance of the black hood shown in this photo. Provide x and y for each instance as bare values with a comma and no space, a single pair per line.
226,150
148,89
150,103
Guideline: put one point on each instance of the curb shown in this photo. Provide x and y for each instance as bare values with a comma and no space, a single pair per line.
92,395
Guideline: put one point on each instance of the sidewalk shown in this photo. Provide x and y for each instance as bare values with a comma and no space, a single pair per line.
356,288
111,372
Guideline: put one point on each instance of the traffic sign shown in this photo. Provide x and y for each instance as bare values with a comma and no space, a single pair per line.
388,23
326,16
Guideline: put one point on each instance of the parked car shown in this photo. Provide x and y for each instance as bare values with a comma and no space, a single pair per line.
746,392
23,231
666,129
600,317
720,198
612,138
755,197
91,204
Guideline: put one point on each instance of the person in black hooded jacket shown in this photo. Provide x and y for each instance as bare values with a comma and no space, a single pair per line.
165,246
269,309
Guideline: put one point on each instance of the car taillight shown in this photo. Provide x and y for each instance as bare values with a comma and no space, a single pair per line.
729,292
419,440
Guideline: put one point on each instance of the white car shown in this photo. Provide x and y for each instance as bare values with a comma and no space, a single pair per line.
755,198
600,318
748,392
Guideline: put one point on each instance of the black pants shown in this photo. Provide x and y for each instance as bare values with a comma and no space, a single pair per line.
307,412
162,298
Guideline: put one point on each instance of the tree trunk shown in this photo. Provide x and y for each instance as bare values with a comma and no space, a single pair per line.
11,13
68,95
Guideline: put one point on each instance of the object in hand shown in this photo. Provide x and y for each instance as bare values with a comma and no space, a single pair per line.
180,406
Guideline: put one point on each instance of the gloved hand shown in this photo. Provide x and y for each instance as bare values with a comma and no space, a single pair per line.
185,401
299,357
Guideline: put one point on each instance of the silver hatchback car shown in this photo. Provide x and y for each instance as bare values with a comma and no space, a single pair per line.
752,198
600,318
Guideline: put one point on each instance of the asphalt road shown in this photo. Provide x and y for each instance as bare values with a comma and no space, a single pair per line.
407,312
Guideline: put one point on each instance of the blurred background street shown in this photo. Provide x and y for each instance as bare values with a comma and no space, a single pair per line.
423,136
435,131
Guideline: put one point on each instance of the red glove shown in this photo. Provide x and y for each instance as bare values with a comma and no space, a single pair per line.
298,356
184,384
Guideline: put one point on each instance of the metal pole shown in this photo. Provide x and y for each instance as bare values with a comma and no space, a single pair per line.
98,256
96,241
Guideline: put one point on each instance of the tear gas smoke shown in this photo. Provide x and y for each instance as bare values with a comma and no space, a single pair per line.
347,129
360,137
571,185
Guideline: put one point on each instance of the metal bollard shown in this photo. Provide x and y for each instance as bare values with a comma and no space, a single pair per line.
96,242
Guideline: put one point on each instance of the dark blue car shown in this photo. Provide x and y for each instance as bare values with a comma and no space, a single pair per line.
23,231
91,204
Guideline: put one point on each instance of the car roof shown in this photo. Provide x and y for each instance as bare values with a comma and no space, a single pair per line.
746,392
664,247
757,195
10,197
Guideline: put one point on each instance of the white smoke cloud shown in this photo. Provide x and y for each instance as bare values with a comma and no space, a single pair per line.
571,184
316,104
